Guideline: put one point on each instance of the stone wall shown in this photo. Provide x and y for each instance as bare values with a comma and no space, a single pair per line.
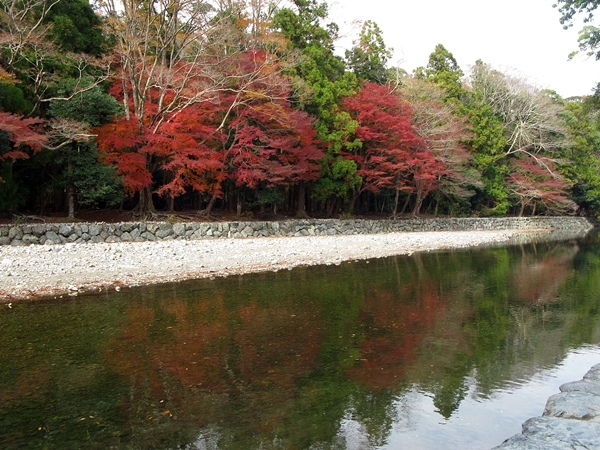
48,234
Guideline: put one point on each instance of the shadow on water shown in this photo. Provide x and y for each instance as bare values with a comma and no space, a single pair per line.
400,351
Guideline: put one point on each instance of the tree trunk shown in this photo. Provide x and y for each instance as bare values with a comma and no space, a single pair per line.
396,198
70,193
353,200
405,204
170,203
418,202
331,206
208,210
301,210
71,201
522,210
145,204
238,210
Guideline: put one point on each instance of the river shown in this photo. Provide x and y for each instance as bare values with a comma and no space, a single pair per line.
429,351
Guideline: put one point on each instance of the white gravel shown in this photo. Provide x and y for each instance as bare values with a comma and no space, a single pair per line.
40,270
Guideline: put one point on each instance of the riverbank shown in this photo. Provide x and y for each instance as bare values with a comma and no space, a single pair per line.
52,270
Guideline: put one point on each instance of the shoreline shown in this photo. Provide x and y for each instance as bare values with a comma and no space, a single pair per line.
36,271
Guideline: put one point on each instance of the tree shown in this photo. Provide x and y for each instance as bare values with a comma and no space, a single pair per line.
171,56
530,117
444,129
196,158
82,176
324,74
386,149
443,70
533,133
488,145
536,187
76,28
369,55
583,169
589,35
31,56
21,133
19,137
273,146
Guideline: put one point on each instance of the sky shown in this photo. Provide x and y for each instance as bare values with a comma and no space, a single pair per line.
521,35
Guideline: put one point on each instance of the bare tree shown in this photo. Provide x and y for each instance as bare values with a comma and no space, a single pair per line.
530,117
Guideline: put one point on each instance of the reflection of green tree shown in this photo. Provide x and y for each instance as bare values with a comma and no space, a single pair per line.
583,288
53,391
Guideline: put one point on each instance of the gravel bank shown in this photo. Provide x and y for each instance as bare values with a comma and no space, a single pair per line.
32,271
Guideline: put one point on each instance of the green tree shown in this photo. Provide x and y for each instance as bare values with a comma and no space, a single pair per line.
488,145
589,35
76,27
325,76
443,70
85,180
369,56
583,171
12,99
41,46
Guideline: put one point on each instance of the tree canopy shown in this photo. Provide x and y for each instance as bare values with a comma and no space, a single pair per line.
239,105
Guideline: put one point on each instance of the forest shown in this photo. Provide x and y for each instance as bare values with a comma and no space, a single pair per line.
194,106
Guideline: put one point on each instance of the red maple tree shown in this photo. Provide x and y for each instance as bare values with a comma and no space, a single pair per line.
22,132
266,140
274,145
390,153
23,135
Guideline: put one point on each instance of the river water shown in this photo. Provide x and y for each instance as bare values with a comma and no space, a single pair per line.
444,350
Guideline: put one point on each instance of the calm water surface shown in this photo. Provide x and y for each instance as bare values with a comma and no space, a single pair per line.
432,351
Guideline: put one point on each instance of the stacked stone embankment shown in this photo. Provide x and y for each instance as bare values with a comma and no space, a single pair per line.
49,234
571,419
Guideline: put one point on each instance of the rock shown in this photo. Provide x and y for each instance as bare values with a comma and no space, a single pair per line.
164,230
95,229
29,239
179,229
571,419
591,387
573,405
552,433
65,230
593,374
52,236
15,233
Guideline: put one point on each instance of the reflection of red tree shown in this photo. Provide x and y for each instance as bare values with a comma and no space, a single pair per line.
256,352
394,333
276,345
189,349
538,281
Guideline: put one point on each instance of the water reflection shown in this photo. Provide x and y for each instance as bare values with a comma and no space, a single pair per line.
403,351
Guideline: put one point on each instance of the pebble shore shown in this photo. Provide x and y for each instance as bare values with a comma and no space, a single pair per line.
35,271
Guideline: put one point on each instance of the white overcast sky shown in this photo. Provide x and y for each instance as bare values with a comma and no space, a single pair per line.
525,35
